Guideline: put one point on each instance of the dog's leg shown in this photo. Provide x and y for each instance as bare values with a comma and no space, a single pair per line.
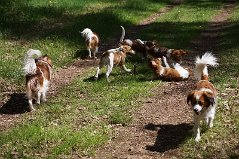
39,93
89,50
125,69
210,121
30,97
109,70
95,51
97,72
165,62
197,130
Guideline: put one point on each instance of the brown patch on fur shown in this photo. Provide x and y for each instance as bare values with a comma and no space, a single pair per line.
119,56
166,74
43,70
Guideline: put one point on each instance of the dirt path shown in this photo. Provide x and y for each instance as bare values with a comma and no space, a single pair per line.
165,119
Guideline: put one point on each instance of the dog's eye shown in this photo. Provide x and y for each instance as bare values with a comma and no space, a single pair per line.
200,103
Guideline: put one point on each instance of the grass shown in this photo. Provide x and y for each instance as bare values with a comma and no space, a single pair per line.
78,120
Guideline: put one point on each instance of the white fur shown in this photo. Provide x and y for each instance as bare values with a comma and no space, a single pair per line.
170,51
123,34
183,72
201,64
208,116
206,90
129,42
141,42
109,61
29,61
88,34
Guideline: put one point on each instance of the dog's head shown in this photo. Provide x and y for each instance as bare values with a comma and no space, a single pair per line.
46,59
177,55
155,64
126,49
85,32
200,101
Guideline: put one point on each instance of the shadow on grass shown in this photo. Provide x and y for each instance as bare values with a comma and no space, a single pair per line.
17,104
83,54
169,136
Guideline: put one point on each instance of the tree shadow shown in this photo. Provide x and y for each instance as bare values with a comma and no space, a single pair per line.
169,136
17,104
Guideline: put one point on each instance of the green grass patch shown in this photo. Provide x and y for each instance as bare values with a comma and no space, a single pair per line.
178,27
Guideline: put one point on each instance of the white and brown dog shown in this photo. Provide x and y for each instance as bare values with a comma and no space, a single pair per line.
137,45
91,41
177,73
114,57
38,72
204,98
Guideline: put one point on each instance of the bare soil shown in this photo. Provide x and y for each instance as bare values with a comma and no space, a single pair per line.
164,120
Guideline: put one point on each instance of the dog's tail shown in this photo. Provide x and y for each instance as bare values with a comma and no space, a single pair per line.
29,61
201,70
123,34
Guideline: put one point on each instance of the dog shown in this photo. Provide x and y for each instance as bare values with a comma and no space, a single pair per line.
38,73
173,55
204,98
91,41
114,57
177,73
137,45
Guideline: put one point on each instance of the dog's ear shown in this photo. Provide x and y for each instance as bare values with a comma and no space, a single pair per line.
190,96
209,97
153,63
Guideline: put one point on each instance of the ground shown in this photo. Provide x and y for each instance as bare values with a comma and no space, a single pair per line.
164,120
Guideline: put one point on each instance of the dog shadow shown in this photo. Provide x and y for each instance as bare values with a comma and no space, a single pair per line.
82,54
169,136
17,104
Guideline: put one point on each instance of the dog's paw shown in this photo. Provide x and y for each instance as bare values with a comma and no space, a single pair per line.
198,138
95,78
31,109
44,100
210,125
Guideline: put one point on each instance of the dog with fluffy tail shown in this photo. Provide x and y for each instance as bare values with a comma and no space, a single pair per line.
204,98
38,71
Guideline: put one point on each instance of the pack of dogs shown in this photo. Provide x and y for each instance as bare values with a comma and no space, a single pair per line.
165,64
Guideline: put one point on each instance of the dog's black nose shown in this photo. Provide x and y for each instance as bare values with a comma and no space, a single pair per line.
196,111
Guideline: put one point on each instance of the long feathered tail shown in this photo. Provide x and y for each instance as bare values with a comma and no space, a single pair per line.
123,34
201,70
29,61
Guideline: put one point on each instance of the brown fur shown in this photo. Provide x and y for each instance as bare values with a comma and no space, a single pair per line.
35,82
169,74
